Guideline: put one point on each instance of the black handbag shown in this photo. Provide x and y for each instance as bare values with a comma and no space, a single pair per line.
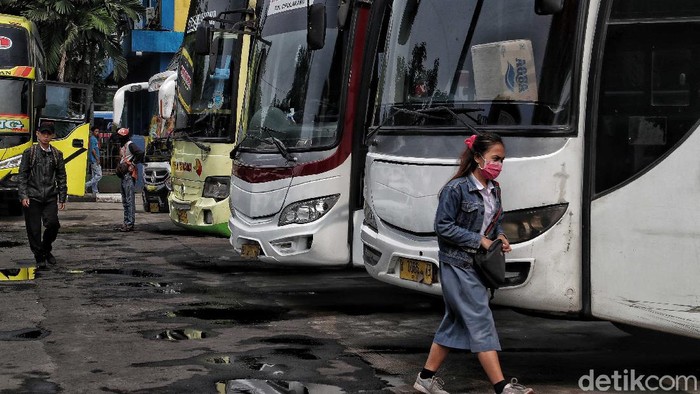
491,265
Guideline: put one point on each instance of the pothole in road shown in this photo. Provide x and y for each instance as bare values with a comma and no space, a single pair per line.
232,315
250,363
302,354
121,271
293,340
218,360
9,244
106,239
274,386
397,349
255,364
163,287
27,334
181,335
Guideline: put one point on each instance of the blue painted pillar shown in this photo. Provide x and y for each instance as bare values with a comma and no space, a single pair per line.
167,14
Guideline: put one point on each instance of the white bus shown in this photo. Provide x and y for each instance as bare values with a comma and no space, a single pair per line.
296,185
598,104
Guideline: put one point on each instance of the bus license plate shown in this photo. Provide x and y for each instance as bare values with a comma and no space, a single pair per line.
154,207
182,216
416,271
250,251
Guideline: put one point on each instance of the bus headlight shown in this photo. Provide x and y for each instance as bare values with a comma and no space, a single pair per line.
525,224
216,187
308,210
370,221
12,162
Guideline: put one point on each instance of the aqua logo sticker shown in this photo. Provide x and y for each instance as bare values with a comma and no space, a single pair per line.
517,76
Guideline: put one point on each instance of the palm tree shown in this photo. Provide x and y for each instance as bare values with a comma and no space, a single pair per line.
80,35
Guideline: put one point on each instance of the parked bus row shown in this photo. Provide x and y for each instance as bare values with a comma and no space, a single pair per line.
343,119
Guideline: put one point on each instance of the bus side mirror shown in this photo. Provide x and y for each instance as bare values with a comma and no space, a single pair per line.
548,7
316,28
39,95
202,39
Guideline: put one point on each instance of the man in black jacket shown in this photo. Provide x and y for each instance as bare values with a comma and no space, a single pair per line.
42,191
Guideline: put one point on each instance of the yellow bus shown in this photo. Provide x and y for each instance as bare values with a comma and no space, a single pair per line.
23,95
210,91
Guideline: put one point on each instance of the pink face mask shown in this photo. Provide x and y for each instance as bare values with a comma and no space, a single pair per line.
491,169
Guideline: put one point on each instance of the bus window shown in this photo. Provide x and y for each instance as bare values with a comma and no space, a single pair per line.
66,107
10,106
648,97
16,39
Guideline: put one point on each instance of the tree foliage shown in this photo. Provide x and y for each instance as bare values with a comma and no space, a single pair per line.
80,36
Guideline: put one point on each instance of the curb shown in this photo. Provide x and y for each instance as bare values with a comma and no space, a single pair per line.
100,197
108,197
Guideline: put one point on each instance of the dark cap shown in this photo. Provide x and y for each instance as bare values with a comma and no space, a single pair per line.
46,128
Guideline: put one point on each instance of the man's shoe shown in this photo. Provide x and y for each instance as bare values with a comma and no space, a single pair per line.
50,259
40,264
430,386
515,388
126,229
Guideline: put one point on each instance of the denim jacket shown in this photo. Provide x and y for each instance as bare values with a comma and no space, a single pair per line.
458,220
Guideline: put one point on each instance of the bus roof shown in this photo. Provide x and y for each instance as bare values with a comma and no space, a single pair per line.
6,19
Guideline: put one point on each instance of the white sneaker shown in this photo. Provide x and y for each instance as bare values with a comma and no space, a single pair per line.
430,386
515,388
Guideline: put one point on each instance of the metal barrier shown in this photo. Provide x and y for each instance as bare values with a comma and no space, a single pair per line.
109,155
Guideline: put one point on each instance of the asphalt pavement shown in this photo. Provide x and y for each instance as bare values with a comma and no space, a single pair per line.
163,310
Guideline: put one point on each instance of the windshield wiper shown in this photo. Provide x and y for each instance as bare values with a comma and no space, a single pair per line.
425,113
279,144
281,148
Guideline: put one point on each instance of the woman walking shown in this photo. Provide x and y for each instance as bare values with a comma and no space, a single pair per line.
467,206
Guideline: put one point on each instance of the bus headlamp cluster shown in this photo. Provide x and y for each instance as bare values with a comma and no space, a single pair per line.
308,210
12,162
526,224
216,187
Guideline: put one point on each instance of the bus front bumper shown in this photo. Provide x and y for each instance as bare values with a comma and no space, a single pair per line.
384,252
203,215
310,244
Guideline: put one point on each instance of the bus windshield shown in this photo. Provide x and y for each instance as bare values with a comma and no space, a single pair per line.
13,47
210,97
14,106
295,91
65,106
489,63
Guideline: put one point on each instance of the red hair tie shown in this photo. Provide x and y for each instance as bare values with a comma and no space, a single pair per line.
470,141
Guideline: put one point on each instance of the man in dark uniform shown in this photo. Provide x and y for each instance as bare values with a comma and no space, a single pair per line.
42,191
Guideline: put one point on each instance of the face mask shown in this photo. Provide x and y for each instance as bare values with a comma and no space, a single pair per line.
491,169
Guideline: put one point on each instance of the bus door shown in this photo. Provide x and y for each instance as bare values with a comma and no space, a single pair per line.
644,171
67,106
